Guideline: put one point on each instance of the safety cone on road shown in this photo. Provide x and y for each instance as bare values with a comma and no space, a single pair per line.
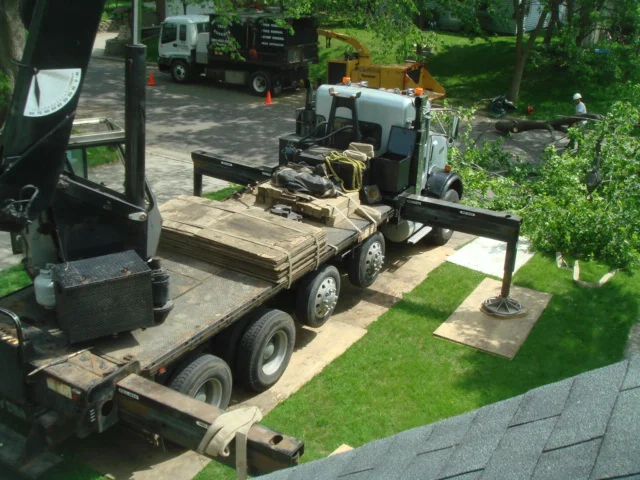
152,81
268,100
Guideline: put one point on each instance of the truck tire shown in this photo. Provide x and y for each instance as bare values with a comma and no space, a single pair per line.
440,236
367,261
180,71
205,378
260,83
317,296
265,349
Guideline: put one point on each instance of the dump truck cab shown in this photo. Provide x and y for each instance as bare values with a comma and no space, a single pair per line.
177,44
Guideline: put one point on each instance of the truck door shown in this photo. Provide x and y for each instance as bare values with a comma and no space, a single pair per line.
168,46
183,45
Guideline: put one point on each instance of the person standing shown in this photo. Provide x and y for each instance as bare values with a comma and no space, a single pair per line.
581,108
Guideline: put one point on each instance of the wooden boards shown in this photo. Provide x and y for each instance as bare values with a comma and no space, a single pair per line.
245,239
470,326
329,211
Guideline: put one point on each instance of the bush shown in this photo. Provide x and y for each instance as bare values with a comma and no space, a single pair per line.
5,95
559,214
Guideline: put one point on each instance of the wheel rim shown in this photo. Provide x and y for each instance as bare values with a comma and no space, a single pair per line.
326,298
210,391
259,84
374,260
180,72
274,353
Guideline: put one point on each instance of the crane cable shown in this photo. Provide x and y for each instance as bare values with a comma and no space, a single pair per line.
358,169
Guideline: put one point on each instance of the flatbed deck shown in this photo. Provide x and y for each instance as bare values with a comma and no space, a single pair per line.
207,298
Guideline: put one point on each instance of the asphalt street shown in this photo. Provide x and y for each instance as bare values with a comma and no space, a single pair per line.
224,119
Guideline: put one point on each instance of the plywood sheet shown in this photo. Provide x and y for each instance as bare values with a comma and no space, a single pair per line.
468,325
487,256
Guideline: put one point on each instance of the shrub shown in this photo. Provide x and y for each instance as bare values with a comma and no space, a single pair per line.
559,213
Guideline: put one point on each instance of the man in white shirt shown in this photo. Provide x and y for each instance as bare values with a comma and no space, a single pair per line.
581,109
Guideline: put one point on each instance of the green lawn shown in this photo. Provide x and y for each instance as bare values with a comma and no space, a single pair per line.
472,70
399,376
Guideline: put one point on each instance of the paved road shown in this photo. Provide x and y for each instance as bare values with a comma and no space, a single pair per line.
181,118
221,118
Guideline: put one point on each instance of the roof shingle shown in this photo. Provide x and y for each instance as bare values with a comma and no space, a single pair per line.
582,428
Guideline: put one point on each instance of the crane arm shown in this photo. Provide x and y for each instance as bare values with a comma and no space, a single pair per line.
363,51
43,105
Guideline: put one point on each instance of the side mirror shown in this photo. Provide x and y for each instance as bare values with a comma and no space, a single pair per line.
455,125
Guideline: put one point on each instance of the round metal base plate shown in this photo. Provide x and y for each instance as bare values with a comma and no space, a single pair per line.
502,307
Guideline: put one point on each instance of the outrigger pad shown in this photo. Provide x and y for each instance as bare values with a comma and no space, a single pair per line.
499,335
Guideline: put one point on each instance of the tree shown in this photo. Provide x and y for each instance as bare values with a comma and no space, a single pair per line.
161,10
523,50
564,206
12,41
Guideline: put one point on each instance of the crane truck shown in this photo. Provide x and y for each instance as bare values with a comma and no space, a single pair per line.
118,329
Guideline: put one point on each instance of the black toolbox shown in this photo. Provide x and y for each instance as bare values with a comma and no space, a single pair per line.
390,171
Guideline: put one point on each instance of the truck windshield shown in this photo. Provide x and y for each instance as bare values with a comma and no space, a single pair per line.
169,33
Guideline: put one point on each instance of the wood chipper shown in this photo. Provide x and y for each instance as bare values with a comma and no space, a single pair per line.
359,68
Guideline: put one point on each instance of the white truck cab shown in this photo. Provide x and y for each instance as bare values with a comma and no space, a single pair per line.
177,44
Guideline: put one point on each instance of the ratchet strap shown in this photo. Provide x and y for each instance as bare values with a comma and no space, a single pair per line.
234,424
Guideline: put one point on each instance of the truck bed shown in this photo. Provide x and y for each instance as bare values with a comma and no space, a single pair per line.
207,298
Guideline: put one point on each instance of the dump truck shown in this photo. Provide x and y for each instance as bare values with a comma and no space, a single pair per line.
357,66
147,315
261,50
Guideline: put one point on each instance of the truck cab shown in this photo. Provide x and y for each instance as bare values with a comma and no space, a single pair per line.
410,138
177,44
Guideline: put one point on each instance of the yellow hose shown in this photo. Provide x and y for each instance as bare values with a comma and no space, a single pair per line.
358,169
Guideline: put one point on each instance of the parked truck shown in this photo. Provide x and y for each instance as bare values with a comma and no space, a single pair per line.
261,50
117,330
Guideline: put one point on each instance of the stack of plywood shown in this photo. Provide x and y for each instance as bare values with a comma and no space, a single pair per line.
248,240
329,211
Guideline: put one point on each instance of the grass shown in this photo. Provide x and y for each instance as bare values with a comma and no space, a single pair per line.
223,193
474,70
152,48
413,378
12,279
102,155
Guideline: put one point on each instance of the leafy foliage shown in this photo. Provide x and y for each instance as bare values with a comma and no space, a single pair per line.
5,94
559,212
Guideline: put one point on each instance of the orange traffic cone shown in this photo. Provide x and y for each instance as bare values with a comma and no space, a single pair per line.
268,100
152,81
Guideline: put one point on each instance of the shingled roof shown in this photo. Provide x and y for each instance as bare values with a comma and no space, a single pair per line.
585,427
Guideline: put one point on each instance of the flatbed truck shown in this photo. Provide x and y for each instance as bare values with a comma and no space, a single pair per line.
116,330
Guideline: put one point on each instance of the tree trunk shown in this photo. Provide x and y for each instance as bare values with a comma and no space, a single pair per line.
12,41
161,10
523,50
555,19
11,35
